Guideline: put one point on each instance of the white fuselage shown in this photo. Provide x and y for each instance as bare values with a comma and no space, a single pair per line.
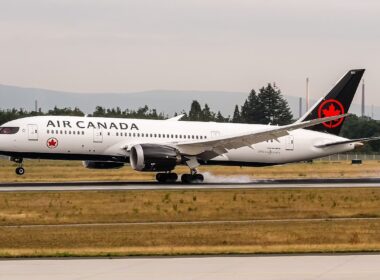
90,138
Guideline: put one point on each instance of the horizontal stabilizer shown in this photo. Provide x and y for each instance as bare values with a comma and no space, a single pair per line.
359,140
176,118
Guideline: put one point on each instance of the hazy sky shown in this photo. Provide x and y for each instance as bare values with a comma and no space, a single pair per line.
136,45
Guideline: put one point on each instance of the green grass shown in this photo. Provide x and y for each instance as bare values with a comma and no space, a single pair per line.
185,205
51,208
62,171
283,237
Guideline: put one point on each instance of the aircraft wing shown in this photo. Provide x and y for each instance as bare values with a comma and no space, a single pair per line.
207,149
359,140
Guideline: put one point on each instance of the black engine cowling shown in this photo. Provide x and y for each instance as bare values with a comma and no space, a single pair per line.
102,164
153,157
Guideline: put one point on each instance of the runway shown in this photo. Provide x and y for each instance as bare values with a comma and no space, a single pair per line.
284,267
257,184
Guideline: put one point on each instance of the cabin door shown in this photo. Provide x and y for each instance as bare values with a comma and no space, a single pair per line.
289,143
98,135
32,132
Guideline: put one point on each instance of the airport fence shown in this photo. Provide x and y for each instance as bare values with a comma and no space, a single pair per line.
339,157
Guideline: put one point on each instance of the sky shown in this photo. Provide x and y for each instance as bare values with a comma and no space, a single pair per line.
139,45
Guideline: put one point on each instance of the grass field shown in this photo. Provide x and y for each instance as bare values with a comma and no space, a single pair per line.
98,223
58,171
106,216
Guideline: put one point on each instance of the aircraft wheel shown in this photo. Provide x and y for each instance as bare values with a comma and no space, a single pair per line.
172,177
166,177
199,178
186,178
192,178
20,171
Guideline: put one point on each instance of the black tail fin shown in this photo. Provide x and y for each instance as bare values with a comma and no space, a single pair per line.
336,102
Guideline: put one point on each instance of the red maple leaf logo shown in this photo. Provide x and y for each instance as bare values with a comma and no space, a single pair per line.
52,143
331,111
330,108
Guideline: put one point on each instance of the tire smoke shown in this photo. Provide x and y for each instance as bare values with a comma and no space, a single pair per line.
211,178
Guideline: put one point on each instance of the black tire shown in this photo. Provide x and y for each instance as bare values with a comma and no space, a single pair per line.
198,178
166,177
161,177
20,171
186,178
192,179
172,178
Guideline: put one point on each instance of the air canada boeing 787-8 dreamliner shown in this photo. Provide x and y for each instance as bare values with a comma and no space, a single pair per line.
160,145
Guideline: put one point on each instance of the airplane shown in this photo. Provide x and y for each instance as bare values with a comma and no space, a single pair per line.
161,145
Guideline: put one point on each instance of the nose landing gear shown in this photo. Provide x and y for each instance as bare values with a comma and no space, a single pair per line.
19,170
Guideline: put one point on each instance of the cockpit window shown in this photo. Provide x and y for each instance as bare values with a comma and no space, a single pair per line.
9,130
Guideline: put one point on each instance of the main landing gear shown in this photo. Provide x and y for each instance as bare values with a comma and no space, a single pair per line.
192,178
19,170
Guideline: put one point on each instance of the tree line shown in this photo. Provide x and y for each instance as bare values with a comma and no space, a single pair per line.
265,106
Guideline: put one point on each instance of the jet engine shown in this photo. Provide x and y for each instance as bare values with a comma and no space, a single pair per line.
153,157
102,164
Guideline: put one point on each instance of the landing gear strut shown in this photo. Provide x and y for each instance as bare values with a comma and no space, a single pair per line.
19,170
166,177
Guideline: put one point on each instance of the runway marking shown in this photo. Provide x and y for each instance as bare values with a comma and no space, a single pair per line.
194,222
256,184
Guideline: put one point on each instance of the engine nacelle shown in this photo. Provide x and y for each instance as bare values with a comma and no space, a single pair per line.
102,164
153,157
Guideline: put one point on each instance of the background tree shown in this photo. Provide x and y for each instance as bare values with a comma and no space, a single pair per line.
273,107
252,111
358,127
195,113
236,118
